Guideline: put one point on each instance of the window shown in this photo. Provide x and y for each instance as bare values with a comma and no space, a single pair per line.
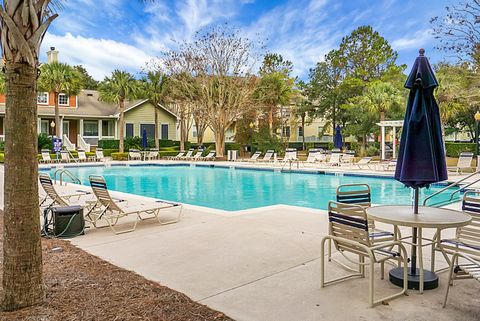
66,128
90,128
300,131
108,127
149,128
63,99
164,131
44,126
128,130
194,131
286,131
42,98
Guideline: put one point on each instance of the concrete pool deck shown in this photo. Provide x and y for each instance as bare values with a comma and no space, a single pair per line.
262,264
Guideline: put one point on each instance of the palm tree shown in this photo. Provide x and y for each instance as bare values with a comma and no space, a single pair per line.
155,85
117,88
23,26
59,78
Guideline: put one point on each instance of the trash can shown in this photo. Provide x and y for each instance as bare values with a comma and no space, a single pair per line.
68,221
232,155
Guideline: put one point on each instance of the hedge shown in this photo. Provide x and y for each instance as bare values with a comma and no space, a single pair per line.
454,149
2,158
119,156
2,145
136,142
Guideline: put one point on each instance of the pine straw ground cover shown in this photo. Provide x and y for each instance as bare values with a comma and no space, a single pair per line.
82,287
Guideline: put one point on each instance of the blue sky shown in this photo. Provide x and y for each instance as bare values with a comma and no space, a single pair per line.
125,34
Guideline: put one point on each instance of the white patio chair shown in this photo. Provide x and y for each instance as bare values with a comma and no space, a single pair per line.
134,154
464,162
468,269
46,156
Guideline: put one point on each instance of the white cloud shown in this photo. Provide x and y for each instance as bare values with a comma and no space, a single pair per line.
99,56
413,41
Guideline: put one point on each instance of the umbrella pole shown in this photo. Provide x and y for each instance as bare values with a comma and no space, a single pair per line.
413,269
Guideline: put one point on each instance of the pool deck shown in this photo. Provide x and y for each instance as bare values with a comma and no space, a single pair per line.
262,264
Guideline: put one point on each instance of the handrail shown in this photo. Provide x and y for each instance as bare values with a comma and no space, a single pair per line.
463,188
68,144
82,143
450,186
62,171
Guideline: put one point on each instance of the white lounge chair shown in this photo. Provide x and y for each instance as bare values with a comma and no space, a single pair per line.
134,154
82,156
254,157
99,154
152,154
267,158
290,155
469,268
389,166
46,156
188,155
334,159
54,197
464,162
347,159
109,211
210,156
65,157
197,156
348,231
312,156
364,162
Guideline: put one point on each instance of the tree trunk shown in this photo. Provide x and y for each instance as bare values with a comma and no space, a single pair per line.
22,251
303,131
220,142
270,121
157,143
122,125
182,133
57,115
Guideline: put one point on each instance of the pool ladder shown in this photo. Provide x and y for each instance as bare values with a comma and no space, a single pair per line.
452,194
61,172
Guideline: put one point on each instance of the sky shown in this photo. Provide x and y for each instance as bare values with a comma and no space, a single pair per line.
125,34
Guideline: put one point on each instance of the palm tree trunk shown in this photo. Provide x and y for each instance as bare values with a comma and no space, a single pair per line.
57,115
157,143
22,251
122,125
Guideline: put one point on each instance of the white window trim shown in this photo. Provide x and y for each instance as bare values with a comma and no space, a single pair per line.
160,133
298,131
83,129
68,100
140,127
48,98
109,136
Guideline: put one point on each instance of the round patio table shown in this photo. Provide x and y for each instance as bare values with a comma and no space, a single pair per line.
427,217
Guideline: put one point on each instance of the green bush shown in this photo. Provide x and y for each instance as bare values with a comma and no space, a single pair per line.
168,153
119,156
2,158
264,142
372,150
108,143
454,149
2,145
166,143
108,152
44,142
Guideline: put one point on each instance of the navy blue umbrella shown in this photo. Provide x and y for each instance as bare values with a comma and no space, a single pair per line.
421,158
144,139
337,139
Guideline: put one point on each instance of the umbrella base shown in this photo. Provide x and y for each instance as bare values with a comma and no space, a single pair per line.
430,279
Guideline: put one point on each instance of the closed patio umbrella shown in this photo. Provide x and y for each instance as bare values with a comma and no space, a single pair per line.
144,139
337,139
421,158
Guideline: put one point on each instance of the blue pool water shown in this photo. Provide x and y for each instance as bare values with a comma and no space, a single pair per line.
238,189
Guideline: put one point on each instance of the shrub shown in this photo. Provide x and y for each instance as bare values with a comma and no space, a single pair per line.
108,152
2,146
167,143
2,158
372,150
108,143
133,143
44,142
119,156
168,153
454,149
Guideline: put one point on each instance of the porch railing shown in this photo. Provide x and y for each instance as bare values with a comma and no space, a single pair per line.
82,144
68,144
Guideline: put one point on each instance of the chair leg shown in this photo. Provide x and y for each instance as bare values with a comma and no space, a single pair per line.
449,284
329,250
371,283
382,270
322,263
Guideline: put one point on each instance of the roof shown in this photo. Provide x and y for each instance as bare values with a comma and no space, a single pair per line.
89,106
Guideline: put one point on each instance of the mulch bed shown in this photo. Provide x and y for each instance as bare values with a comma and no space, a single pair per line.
83,287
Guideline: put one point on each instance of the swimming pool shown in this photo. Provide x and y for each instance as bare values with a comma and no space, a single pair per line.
238,188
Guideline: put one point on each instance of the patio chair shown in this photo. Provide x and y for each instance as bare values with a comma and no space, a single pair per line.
347,159
178,156
99,154
364,162
360,194
460,271
65,157
312,157
321,157
290,155
348,230
389,166
108,210
82,156
197,156
467,238
210,156
188,155
152,154
464,162
134,154
51,193
334,159
46,156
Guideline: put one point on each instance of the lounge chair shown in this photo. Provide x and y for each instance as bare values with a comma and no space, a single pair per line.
197,156
267,157
348,230
467,238
334,159
312,156
210,156
389,166
46,156
364,162
134,154
188,155
82,156
152,154
52,195
464,162
106,209
99,155
178,156
465,270
65,157
290,155
347,159
254,157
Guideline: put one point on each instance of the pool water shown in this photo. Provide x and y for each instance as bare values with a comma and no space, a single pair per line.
238,189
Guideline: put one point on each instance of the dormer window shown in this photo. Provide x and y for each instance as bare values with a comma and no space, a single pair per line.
42,98
63,99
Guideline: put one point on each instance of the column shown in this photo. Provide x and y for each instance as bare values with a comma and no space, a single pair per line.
383,142
99,129
394,142
39,126
80,124
61,127
116,129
